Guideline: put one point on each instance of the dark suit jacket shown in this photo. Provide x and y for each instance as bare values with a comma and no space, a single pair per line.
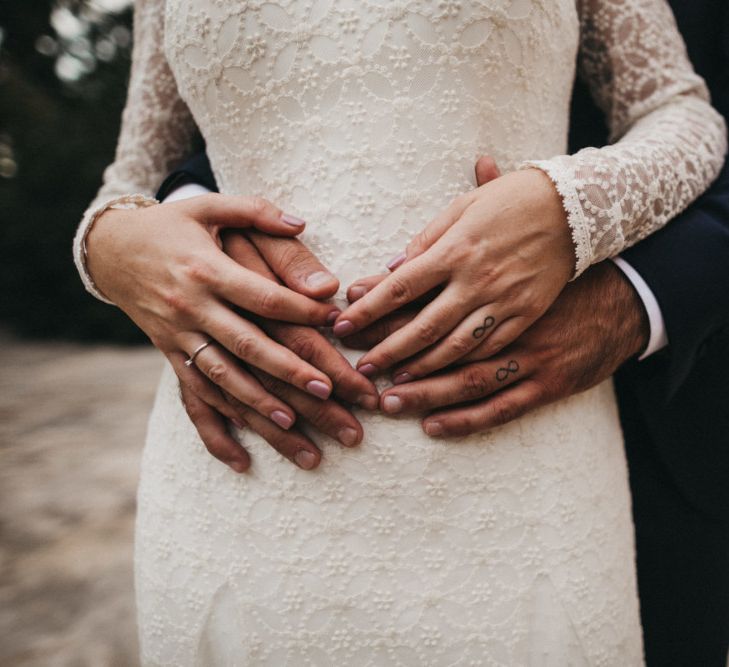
675,405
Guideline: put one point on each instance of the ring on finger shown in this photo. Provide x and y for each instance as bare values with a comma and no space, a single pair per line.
197,351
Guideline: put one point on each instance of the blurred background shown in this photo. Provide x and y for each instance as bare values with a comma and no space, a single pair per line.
76,383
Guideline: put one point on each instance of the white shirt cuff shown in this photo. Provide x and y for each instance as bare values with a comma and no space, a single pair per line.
658,337
185,192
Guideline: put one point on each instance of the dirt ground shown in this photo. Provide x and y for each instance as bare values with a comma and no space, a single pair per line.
72,421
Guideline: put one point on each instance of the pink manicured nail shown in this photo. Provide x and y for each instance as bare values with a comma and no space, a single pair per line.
292,220
392,404
332,317
282,419
318,389
401,378
396,261
238,466
238,423
343,328
434,429
348,436
305,459
368,370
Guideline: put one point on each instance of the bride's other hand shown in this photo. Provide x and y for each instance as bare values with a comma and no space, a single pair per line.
165,267
501,254
208,406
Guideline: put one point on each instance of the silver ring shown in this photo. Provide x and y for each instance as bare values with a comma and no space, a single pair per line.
197,351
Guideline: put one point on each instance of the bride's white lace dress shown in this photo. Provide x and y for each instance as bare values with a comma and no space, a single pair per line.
365,117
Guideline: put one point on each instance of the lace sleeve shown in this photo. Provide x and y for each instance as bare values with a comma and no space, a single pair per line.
156,131
669,143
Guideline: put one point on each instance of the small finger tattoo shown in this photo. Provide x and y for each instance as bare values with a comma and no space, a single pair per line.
503,373
479,332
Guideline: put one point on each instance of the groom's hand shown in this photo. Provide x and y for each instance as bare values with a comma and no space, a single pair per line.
596,324
208,407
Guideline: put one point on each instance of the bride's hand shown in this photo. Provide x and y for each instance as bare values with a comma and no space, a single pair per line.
501,254
164,266
287,260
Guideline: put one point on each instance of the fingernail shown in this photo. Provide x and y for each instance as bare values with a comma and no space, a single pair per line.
401,378
282,419
357,292
368,402
368,370
238,466
332,317
238,423
396,261
318,389
292,220
392,404
434,429
318,279
343,328
348,436
305,459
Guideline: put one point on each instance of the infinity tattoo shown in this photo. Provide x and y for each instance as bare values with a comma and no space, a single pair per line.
503,373
479,332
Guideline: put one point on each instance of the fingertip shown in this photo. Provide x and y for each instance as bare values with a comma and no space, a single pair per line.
433,428
242,463
319,389
402,377
343,328
319,285
306,459
356,292
391,403
292,221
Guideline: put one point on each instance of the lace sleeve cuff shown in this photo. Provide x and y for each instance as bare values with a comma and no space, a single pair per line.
564,182
90,217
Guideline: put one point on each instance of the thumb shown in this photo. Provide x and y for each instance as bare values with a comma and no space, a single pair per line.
296,265
486,170
243,212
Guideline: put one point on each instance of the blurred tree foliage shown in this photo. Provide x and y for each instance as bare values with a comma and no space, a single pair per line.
63,73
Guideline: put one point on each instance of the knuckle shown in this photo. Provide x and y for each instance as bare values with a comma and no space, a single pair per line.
244,346
258,205
269,303
176,302
217,373
504,412
460,345
475,382
302,344
198,270
419,241
399,290
322,415
427,332
275,386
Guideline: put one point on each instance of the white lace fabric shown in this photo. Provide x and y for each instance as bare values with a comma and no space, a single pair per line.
670,142
365,117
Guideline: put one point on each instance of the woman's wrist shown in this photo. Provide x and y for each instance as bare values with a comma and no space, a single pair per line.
89,225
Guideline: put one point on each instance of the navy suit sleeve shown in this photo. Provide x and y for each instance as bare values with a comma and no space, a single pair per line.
686,264
196,170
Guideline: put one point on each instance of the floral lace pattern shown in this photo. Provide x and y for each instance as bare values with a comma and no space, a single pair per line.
366,117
